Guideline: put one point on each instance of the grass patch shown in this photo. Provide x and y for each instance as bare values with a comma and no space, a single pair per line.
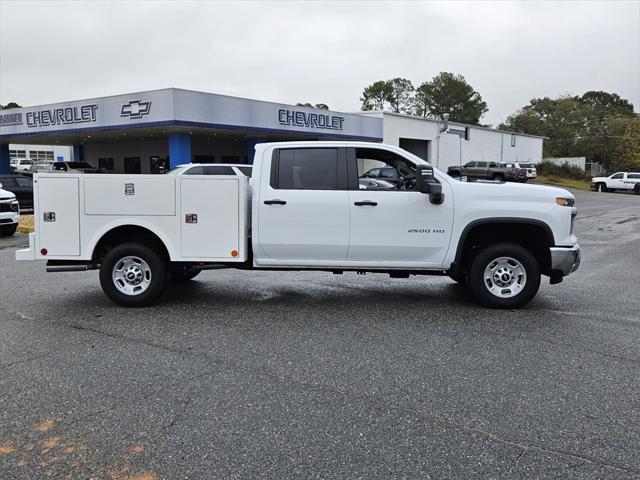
562,182
26,224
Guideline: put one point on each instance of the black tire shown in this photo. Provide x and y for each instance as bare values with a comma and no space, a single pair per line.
601,187
636,189
498,177
460,278
526,261
184,274
156,280
8,231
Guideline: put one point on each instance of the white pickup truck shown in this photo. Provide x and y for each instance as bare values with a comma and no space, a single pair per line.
617,181
304,209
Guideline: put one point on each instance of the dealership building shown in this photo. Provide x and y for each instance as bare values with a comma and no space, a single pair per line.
146,131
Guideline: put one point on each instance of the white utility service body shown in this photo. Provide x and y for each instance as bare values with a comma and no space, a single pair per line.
430,224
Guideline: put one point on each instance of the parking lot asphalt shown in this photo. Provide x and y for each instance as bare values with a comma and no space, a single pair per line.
280,375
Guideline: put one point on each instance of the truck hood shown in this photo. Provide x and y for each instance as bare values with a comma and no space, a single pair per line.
599,179
4,195
508,191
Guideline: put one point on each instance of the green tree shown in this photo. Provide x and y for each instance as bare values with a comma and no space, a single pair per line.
609,104
594,125
401,96
9,105
450,93
624,149
321,106
376,95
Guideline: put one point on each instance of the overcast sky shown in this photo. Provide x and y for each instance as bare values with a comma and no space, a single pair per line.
324,51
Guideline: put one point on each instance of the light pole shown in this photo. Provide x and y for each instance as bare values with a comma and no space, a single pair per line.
605,130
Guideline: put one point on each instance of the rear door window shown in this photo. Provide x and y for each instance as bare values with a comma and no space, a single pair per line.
306,169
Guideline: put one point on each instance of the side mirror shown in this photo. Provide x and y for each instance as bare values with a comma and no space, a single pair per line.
424,178
426,183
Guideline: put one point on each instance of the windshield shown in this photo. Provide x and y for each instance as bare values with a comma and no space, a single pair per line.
526,165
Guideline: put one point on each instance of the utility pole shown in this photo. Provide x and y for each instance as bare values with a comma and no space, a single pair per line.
605,130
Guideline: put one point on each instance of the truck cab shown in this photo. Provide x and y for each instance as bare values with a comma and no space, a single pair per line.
305,208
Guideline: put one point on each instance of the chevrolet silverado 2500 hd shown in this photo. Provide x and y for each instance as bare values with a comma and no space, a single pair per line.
305,209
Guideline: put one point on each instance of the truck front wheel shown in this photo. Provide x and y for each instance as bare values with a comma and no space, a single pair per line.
602,187
133,275
504,275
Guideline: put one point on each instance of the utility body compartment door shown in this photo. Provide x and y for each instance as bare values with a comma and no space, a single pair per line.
58,215
210,217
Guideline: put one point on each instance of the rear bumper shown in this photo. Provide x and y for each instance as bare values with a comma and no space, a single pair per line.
28,253
565,260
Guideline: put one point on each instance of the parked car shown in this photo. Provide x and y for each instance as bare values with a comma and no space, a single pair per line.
529,167
487,171
75,167
212,169
375,184
20,164
518,174
617,181
9,213
387,174
21,186
41,166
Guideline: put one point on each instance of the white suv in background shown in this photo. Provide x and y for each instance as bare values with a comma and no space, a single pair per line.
530,168
239,169
21,164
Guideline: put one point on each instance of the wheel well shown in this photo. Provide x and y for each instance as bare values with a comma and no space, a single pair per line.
128,233
534,237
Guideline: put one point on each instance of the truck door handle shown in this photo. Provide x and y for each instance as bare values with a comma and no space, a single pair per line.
367,203
275,202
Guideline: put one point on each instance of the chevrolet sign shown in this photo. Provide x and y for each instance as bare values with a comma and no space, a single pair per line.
309,120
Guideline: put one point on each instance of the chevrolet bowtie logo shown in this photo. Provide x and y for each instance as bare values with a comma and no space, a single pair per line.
135,109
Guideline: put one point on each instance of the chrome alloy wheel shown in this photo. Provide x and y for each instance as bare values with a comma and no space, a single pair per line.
131,275
505,277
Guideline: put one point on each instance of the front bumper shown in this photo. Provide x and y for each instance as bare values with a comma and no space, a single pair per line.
565,260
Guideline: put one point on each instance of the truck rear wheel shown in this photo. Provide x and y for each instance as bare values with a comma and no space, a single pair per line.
636,189
133,275
504,275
